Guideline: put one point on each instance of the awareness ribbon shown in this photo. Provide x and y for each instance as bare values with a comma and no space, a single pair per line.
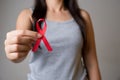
41,32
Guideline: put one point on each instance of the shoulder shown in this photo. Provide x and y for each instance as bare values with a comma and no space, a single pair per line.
87,18
24,19
85,15
26,13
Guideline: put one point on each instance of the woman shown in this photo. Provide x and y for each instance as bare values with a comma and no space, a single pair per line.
70,34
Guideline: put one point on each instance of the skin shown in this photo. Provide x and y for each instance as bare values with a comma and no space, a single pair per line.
18,42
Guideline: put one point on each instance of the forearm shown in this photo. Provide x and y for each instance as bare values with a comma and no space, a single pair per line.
94,72
92,66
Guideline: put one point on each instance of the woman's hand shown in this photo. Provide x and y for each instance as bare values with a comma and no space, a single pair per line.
18,43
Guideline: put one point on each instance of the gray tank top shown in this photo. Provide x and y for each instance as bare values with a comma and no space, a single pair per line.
64,62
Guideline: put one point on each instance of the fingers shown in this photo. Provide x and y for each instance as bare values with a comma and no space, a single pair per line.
16,55
17,48
20,40
29,33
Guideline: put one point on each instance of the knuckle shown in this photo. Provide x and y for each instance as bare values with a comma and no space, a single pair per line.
22,32
5,42
7,34
6,50
14,57
16,47
17,56
17,39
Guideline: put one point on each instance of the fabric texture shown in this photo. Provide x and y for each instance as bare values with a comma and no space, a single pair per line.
64,62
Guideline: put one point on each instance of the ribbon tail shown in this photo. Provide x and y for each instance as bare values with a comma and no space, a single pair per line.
47,44
36,45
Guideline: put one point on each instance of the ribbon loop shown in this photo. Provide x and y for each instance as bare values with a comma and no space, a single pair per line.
41,32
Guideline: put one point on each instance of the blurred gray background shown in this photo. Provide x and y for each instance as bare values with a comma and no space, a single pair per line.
105,16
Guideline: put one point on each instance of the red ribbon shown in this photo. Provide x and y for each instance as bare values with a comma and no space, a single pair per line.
41,32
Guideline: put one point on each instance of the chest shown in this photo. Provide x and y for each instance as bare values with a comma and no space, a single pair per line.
63,34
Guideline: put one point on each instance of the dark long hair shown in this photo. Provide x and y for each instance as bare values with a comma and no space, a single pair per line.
40,10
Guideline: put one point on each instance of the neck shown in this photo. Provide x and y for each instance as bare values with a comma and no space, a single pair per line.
55,5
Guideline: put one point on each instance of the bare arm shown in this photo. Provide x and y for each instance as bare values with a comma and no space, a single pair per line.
89,55
24,20
19,42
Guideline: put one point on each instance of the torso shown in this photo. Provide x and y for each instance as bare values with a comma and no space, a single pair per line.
64,62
